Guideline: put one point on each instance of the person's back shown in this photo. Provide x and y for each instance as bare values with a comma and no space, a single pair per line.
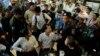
71,48
72,52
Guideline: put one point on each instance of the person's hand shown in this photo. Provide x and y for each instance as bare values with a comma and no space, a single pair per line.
22,50
94,26
59,36
7,33
3,37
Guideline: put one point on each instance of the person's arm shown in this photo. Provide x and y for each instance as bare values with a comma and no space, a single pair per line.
33,23
48,17
53,40
52,44
16,44
35,42
26,17
40,41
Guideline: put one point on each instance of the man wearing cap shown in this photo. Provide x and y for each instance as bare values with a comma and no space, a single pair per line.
65,31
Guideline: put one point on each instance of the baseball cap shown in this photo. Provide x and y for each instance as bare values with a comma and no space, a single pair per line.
67,14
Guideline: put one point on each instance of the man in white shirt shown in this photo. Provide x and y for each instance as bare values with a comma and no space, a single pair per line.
39,20
89,14
68,6
41,5
92,22
46,40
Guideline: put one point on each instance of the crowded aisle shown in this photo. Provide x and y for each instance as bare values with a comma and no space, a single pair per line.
49,28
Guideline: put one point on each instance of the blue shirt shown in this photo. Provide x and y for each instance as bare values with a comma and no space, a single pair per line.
5,3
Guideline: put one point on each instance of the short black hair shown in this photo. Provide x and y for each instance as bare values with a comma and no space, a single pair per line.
37,9
71,41
89,8
31,3
6,10
18,11
46,26
26,30
78,10
46,5
97,14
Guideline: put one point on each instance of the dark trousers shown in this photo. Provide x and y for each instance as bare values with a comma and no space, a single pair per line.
44,52
31,53
36,34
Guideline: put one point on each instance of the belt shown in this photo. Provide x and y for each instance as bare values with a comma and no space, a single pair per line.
46,49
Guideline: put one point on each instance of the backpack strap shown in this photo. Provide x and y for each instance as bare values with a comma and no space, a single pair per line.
35,20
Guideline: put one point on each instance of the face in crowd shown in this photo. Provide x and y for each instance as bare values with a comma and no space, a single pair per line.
66,17
48,30
95,16
31,6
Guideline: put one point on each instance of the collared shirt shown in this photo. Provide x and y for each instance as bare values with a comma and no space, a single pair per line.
68,8
26,45
89,18
28,15
40,20
92,22
41,6
6,3
47,40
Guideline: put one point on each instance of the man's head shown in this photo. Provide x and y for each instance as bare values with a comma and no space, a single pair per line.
17,12
69,1
89,9
43,2
7,12
46,7
31,6
48,29
66,16
37,10
13,2
81,20
95,16
69,41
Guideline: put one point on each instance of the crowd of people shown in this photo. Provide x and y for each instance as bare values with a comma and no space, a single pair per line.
30,26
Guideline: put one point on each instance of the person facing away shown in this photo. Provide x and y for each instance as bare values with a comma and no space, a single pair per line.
71,48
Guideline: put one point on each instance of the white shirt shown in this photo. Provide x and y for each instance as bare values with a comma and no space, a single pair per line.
47,40
92,22
40,20
41,6
68,8
33,1
2,47
26,45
